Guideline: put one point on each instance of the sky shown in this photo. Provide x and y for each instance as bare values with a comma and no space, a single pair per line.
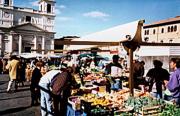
82,17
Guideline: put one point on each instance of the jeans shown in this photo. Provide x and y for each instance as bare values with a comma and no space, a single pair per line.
157,95
46,102
117,85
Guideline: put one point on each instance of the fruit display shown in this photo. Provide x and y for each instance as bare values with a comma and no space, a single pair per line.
114,99
95,101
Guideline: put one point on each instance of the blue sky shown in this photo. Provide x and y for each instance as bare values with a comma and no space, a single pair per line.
81,17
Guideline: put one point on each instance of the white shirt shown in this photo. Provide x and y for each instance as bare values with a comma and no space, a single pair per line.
47,78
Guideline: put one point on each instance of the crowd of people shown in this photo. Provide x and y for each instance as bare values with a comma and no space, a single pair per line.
51,88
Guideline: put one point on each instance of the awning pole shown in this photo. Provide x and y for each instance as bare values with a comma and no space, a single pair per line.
131,80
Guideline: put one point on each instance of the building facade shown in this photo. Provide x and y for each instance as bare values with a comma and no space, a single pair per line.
164,31
26,29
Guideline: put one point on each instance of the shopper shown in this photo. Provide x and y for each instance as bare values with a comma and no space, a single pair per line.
61,88
28,73
12,66
138,73
174,83
45,90
1,66
35,91
115,70
21,72
157,77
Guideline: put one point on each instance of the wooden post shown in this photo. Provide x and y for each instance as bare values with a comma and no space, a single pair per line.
131,79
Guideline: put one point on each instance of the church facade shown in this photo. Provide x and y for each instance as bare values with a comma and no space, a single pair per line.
26,29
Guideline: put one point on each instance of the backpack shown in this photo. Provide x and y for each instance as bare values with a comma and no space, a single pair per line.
58,83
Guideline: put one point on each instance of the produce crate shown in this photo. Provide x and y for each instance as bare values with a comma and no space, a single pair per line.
149,111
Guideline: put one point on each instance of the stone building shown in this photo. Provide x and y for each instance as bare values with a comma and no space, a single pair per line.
164,31
26,29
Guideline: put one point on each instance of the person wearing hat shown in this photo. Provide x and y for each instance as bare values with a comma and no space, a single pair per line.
114,70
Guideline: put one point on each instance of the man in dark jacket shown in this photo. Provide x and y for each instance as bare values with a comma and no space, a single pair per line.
61,89
157,77
34,87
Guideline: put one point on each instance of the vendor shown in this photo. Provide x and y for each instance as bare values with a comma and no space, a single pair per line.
114,69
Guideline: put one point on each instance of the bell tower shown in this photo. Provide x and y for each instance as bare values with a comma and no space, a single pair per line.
47,6
6,2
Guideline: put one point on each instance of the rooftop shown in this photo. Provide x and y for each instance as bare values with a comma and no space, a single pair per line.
163,22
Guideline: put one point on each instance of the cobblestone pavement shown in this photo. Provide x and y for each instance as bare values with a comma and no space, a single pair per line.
16,103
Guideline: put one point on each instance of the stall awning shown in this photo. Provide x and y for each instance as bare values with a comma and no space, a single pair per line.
159,51
153,51
126,32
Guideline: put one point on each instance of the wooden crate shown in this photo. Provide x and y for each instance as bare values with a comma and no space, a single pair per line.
149,111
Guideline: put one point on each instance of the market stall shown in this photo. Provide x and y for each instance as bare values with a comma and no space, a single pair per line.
30,55
129,34
128,101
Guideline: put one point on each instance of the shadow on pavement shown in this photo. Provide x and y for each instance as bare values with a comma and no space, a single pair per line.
19,90
13,98
13,110
3,82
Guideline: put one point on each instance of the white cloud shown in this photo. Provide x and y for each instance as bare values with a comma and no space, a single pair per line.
62,6
57,11
96,14
63,18
35,3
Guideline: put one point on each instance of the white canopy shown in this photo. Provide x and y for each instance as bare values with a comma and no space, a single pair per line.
158,50
30,55
125,32
153,51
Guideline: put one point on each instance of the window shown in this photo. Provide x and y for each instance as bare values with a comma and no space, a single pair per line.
6,2
169,29
175,28
41,7
28,18
145,32
154,31
49,8
170,41
162,30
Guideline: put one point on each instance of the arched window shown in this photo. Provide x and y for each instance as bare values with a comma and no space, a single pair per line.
146,39
172,28
169,29
162,30
145,32
154,31
175,28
